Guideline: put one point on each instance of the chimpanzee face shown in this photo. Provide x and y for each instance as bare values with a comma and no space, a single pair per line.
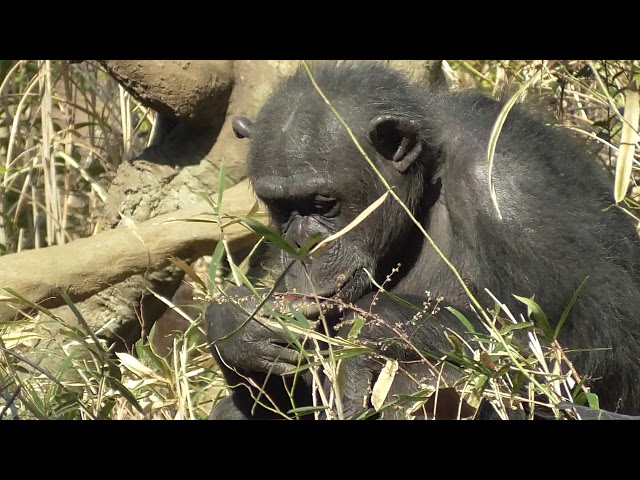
314,180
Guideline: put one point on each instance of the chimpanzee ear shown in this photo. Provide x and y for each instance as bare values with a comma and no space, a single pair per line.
396,138
242,127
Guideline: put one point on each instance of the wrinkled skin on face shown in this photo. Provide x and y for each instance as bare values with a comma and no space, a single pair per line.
314,180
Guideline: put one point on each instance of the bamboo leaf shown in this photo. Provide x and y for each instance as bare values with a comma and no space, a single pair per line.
538,315
567,310
383,384
126,394
462,319
269,235
355,329
593,400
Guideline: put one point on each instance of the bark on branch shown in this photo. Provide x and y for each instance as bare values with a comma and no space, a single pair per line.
88,265
188,90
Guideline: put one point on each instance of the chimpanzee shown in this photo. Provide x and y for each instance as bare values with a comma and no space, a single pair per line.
554,231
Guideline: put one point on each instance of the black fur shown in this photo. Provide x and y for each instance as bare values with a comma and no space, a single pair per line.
555,229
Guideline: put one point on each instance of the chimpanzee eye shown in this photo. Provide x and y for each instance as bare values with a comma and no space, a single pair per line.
325,206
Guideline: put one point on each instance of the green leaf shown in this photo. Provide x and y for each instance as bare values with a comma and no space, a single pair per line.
33,305
479,387
402,301
355,328
299,317
106,410
149,357
538,315
567,310
463,320
269,235
65,366
351,352
81,338
114,371
515,326
593,401
124,391
518,383
50,377
237,273
457,347
208,199
300,411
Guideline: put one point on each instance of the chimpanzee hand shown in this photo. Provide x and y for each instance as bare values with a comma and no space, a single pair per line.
247,346
390,326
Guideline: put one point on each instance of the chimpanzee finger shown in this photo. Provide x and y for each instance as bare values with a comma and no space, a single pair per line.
280,360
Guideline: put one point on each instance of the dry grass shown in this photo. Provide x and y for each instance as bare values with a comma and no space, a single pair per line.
64,129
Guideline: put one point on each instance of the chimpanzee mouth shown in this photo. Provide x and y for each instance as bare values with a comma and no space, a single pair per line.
350,290
346,287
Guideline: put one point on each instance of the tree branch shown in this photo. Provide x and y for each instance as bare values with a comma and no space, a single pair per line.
193,91
88,265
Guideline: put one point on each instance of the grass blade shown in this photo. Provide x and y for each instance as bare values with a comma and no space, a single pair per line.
463,320
495,133
567,310
269,235
223,177
628,143
353,224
